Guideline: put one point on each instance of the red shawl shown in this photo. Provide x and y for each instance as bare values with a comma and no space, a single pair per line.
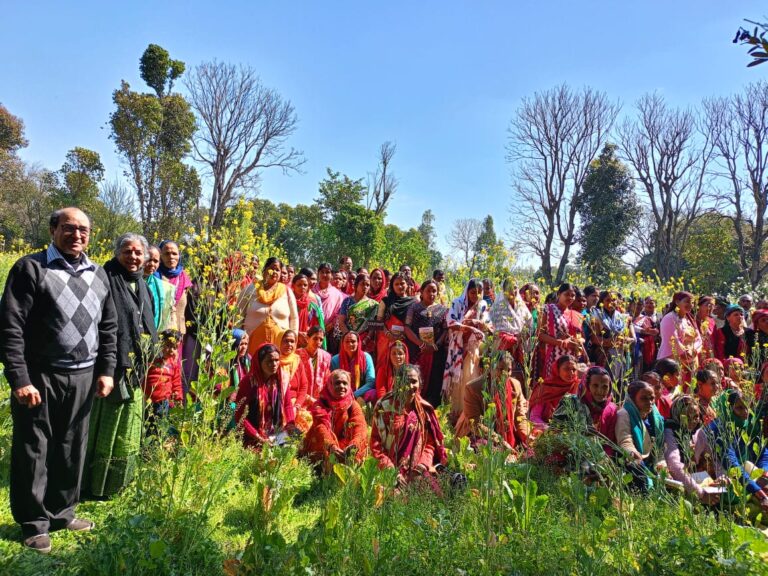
354,365
603,413
550,392
505,426
325,406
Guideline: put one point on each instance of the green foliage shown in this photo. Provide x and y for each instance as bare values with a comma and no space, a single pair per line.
711,254
81,173
153,132
756,39
607,207
158,70
11,131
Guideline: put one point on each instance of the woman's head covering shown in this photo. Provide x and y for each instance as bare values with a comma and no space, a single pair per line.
757,316
397,305
382,292
678,413
355,363
163,270
237,334
733,308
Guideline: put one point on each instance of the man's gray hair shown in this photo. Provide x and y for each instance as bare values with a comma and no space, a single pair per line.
124,239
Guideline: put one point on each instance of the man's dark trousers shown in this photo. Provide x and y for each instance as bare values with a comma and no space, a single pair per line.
48,450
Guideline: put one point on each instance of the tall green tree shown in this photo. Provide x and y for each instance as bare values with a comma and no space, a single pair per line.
153,133
607,209
11,131
80,175
427,231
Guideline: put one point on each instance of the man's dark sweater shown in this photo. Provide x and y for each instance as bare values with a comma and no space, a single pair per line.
56,316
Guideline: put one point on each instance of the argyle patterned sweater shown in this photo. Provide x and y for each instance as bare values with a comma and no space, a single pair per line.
56,317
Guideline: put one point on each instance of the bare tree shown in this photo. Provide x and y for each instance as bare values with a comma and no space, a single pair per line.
738,127
552,139
243,130
382,184
670,163
463,238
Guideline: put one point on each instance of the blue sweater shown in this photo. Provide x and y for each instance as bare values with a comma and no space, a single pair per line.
735,453
368,379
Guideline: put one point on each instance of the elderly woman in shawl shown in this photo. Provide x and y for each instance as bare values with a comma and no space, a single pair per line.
264,404
680,430
591,409
406,434
116,421
512,324
172,271
269,307
338,426
468,322
359,364
510,427
640,433
358,310
427,339
730,340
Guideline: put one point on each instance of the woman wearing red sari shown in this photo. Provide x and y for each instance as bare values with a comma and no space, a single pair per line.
297,377
406,434
707,327
393,310
561,330
308,307
264,407
378,288
547,394
338,425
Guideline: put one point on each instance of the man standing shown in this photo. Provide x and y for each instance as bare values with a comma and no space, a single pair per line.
58,336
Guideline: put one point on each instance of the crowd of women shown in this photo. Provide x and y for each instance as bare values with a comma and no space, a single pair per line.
352,363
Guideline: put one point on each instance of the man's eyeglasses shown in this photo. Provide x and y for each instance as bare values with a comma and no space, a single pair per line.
71,229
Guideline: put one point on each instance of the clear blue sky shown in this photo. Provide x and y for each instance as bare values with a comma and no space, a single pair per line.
441,79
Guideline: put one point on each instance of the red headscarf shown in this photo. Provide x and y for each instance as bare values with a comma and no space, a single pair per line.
265,391
355,365
326,404
385,374
384,287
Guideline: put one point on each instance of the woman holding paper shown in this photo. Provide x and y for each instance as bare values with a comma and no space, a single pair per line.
427,333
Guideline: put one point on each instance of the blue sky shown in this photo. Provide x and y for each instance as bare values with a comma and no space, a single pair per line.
440,79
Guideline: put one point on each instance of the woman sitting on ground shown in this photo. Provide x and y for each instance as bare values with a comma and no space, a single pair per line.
680,430
705,391
592,409
297,376
406,434
264,406
669,372
640,433
547,394
338,427
360,366
510,417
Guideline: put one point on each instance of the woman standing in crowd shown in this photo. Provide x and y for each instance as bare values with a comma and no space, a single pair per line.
707,326
757,337
331,299
172,271
427,332
680,338
646,326
729,341
268,307
391,314
560,330
378,288
612,337
513,326
117,420
163,293
358,310
307,306
468,322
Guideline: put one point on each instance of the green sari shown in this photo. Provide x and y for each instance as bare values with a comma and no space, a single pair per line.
360,313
